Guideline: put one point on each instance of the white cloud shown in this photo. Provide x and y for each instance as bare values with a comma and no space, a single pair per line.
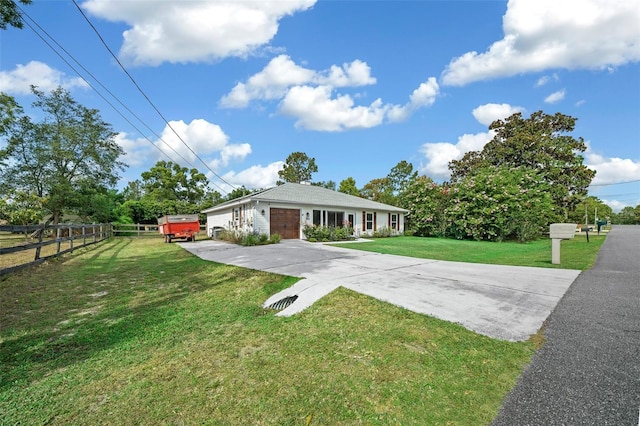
205,139
281,73
424,95
137,151
192,31
488,113
545,34
546,79
308,95
612,169
438,155
315,109
256,177
19,80
555,97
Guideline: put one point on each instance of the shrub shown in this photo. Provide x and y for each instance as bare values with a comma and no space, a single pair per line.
323,233
275,238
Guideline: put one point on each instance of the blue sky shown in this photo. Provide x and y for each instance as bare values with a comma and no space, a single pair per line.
358,85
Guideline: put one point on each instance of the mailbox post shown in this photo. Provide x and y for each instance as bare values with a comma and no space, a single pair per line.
559,232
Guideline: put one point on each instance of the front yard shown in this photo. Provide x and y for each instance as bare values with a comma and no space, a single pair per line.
135,331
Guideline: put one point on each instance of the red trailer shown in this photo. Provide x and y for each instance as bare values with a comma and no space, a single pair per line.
179,226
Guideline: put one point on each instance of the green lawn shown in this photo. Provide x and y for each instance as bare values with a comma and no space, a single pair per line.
135,331
574,254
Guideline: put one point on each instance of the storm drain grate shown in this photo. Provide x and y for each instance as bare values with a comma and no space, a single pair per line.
282,303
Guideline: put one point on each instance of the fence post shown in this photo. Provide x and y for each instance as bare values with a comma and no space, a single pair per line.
84,235
71,239
40,232
59,241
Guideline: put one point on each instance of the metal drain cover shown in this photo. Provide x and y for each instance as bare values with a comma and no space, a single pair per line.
283,303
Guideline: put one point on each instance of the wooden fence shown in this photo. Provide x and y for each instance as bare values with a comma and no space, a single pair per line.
140,230
50,241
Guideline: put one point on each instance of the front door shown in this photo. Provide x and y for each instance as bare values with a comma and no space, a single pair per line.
285,222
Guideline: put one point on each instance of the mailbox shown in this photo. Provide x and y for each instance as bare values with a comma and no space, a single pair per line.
562,231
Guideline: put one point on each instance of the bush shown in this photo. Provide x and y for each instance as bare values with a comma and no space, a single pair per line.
323,233
275,238
247,238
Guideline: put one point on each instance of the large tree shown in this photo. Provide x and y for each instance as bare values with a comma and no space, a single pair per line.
541,142
10,14
348,186
170,181
298,167
70,149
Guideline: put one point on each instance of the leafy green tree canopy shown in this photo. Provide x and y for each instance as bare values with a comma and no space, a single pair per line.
298,167
72,147
9,13
170,181
540,142
348,186
500,203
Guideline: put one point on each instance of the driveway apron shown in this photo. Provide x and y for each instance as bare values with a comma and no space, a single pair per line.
503,302
588,371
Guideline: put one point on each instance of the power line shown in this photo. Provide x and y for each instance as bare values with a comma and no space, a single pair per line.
615,183
95,90
145,96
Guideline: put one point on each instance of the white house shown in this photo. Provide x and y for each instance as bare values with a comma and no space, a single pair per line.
287,208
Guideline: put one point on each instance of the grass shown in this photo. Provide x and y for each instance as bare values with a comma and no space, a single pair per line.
574,254
135,331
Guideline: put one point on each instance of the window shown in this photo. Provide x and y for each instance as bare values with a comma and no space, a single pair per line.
394,221
316,217
369,222
236,214
335,219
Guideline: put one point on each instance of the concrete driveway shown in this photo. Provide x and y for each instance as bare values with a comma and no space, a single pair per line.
503,302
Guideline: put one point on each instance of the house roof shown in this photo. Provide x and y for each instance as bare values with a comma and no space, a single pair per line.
295,193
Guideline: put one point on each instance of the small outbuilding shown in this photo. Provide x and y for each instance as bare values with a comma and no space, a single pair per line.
287,208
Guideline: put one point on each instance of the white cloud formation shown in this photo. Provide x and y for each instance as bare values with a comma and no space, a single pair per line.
137,151
546,79
438,155
255,177
309,96
555,97
191,31
315,109
488,113
281,73
19,80
424,95
545,34
205,139
611,169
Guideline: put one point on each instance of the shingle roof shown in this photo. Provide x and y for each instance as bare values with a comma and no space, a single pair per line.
295,193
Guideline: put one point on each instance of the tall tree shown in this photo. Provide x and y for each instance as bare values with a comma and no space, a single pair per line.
170,181
541,142
298,167
9,13
52,159
348,186
379,190
400,176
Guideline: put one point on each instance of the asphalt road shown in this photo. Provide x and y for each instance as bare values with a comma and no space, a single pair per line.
588,371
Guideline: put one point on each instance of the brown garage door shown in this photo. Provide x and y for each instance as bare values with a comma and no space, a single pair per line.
285,222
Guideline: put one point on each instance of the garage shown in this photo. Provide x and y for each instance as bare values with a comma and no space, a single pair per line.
285,222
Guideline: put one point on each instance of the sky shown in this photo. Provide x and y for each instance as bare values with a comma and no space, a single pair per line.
233,87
